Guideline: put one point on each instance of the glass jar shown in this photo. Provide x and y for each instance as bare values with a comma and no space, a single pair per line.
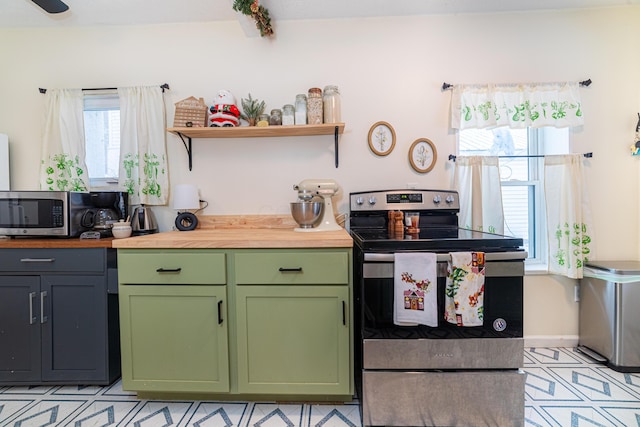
331,105
275,118
314,106
301,109
288,114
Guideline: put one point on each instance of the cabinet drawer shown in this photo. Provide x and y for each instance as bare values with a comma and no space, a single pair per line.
297,267
52,260
171,267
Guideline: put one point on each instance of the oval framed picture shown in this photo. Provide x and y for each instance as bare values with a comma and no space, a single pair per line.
382,138
423,155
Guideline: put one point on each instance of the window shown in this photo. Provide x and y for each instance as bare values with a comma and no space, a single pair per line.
102,137
522,177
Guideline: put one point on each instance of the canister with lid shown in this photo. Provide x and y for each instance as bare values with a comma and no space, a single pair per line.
301,109
275,118
314,106
288,113
331,104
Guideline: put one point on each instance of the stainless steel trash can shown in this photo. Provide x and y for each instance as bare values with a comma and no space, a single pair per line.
609,322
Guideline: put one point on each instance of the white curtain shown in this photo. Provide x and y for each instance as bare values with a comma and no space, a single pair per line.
477,179
143,157
568,216
516,105
62,165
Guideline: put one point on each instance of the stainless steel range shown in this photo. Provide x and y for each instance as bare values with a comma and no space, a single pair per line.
444,375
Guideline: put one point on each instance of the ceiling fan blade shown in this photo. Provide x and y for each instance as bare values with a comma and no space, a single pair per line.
52,6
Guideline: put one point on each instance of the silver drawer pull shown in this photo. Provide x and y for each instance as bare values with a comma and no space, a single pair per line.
43,318
37,259
32,318
289,270
169,270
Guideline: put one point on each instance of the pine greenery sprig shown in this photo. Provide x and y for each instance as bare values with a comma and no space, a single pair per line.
258,12
251,108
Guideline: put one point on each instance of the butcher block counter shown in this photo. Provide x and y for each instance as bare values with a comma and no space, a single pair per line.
260,231
268,309
54,243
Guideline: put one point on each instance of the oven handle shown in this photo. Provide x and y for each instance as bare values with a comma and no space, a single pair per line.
488,256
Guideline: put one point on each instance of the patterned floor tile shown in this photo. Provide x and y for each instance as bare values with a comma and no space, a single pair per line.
335,416
160,414
593,385
552,356
216,414
540,385
104,413
579,416
628,417
11,408
272,415
46,413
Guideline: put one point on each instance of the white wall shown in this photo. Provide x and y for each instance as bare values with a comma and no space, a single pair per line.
388,69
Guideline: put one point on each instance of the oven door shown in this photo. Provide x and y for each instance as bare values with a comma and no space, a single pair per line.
503,299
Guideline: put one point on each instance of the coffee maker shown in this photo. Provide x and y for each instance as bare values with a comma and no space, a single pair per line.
108,207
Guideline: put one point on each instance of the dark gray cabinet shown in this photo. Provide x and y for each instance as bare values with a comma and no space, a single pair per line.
58,316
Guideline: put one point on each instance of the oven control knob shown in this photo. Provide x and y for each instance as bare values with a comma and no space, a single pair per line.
450,199
499,324
359,201
437,200
372,201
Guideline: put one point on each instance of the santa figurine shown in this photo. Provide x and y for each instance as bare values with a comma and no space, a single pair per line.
224,112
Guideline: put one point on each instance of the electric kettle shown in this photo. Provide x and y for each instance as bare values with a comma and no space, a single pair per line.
143,221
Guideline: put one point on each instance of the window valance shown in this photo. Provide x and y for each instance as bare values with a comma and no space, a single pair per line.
516,105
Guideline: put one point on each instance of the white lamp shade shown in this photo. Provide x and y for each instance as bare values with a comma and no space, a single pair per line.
185,197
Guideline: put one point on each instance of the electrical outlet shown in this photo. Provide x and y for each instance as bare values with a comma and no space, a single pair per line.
412,185
576,293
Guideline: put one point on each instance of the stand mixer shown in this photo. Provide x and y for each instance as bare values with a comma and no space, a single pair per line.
324,188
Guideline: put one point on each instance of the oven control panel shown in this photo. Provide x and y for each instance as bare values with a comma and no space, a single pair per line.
404,200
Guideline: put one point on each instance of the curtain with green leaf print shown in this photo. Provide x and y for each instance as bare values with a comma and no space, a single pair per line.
570,232
516,105
62,165
143,158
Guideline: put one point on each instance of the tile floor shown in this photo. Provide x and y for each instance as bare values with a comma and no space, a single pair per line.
563,388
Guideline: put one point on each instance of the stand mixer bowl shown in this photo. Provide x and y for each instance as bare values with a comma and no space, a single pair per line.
306,214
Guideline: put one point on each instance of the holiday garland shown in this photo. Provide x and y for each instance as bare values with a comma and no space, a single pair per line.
258,12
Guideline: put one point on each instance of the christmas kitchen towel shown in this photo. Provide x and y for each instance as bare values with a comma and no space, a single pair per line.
464,292
415,283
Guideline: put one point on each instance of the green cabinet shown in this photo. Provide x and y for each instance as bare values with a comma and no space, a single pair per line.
275,323
174,338
173,320
293,339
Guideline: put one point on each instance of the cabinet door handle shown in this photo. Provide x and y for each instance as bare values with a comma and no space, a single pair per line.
344,313
220,312
169,270
295,270
43,318
37,259
32,318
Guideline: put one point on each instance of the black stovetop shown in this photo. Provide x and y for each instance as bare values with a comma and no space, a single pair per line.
440,239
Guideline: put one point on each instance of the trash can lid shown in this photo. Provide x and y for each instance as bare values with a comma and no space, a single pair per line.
618,267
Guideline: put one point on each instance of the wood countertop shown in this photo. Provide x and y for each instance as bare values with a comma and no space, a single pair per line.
226,232
238,238
54,243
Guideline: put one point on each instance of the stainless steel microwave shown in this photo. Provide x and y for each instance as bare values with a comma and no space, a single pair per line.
42,213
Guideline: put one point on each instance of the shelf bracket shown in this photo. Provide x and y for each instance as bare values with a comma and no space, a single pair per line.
187,147
335,136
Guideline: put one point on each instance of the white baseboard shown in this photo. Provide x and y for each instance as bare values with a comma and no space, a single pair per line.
551,341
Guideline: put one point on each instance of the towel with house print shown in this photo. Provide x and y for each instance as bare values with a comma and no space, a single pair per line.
415,289
464,291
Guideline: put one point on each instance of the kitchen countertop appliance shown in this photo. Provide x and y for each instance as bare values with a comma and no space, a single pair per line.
326,189
143,221
609,322
444,375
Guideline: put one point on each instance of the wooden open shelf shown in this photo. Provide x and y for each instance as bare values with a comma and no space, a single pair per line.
186,134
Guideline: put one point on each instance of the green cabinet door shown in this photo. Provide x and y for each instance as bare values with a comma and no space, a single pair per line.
174,338
293,339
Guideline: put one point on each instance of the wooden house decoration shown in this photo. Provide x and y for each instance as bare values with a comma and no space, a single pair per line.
191,112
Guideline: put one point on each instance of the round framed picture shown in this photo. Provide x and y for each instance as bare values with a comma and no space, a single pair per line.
382,138
423,155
